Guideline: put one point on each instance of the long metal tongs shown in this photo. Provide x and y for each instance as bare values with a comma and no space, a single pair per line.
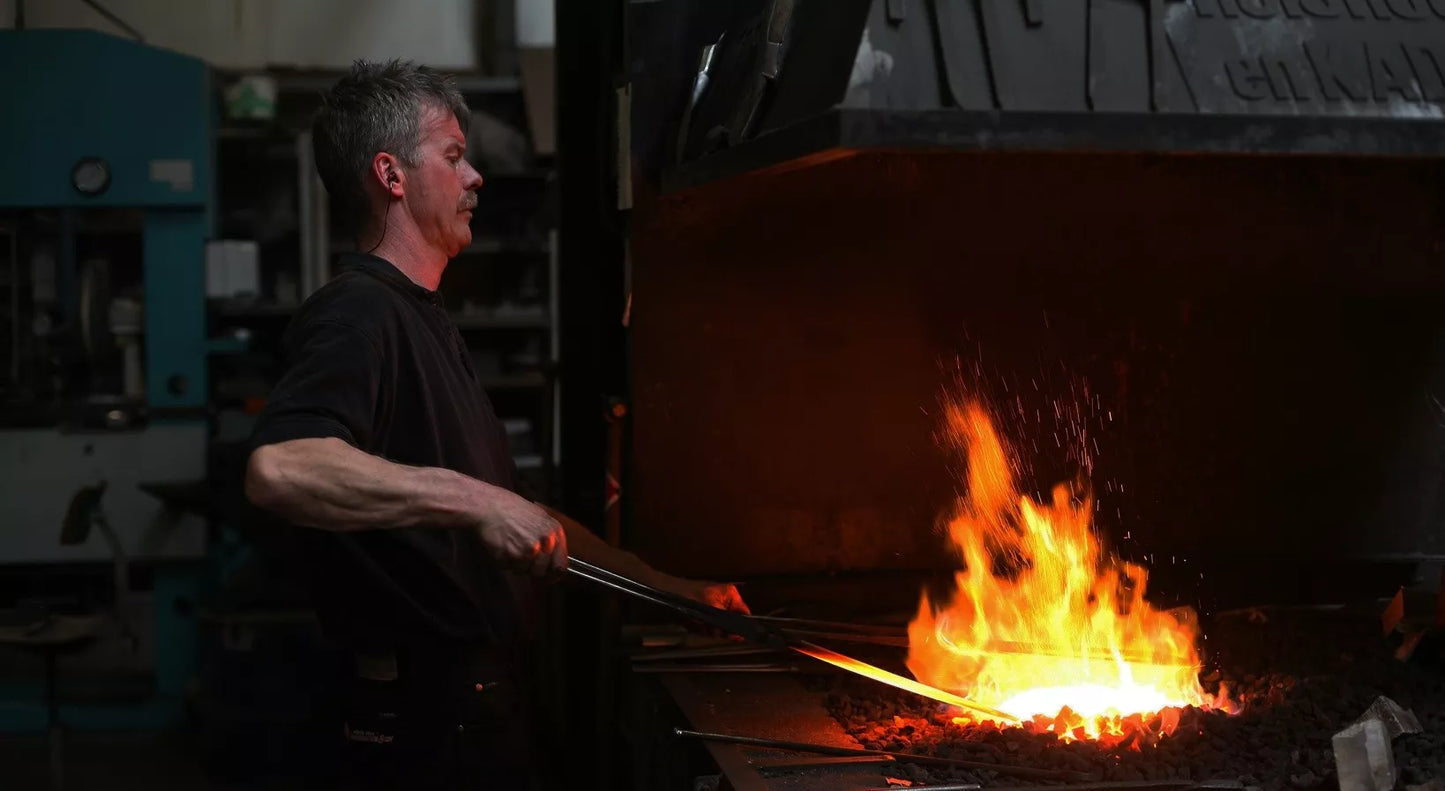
731,622
758,631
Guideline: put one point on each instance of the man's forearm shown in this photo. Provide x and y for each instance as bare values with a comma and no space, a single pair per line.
329,484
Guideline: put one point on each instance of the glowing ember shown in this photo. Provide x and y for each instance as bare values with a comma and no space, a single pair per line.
1044,625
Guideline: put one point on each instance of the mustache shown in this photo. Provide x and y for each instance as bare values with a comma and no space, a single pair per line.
469,201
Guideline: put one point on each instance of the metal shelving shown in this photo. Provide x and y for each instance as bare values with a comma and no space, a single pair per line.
317,82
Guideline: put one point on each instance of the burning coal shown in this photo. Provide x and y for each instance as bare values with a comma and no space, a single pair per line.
1044,625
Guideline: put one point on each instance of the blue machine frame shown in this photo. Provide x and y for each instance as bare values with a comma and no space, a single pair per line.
148,114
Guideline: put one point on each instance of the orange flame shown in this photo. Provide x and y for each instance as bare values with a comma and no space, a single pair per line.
1060,637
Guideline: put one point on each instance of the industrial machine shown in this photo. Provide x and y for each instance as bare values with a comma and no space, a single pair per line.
105,209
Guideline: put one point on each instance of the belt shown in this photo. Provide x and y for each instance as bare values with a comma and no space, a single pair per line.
471,689
434,663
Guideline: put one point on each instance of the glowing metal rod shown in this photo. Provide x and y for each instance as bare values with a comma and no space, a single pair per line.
877,674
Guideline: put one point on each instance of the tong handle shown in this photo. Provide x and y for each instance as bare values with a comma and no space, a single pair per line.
631,587
733,623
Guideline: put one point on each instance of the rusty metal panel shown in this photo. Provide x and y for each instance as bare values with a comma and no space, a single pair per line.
1263,333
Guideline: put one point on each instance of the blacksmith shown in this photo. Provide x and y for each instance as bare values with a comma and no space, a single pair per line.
379,444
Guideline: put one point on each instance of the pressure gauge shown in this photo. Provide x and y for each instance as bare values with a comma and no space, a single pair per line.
90,176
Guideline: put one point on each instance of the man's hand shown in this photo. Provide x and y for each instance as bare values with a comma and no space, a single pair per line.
522,535
721,595
724,596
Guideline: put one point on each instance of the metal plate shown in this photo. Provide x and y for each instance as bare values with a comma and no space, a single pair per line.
772,707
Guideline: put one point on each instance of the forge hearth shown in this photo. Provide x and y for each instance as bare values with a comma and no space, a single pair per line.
1298,675
1299,678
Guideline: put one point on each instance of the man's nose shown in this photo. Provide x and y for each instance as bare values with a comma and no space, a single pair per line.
473,179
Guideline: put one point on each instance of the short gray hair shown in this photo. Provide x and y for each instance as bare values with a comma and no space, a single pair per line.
376,107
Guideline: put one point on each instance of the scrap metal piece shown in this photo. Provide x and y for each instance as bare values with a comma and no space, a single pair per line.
1364,757
1364,753
1397,719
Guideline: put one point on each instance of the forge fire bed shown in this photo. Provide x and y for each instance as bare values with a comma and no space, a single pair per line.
1300,677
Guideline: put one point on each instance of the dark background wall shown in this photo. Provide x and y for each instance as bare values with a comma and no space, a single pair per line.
1265,333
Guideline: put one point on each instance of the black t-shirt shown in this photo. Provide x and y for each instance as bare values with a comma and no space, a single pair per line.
373,358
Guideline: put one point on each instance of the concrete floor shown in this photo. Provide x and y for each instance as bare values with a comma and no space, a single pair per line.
132,762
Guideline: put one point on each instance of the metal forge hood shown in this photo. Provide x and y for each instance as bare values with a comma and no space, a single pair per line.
785,83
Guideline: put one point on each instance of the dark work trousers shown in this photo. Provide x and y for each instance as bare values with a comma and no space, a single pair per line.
439,719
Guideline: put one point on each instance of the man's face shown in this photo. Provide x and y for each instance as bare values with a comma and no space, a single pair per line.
443,185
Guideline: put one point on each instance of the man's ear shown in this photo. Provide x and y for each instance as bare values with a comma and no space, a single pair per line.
386,169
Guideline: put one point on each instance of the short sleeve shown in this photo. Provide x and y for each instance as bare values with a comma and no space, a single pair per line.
329,388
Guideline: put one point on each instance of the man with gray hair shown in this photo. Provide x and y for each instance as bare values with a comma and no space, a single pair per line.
381,446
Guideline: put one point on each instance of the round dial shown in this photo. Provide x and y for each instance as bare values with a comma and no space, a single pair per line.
90,176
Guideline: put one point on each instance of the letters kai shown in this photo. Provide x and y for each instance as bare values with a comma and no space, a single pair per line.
1374,70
